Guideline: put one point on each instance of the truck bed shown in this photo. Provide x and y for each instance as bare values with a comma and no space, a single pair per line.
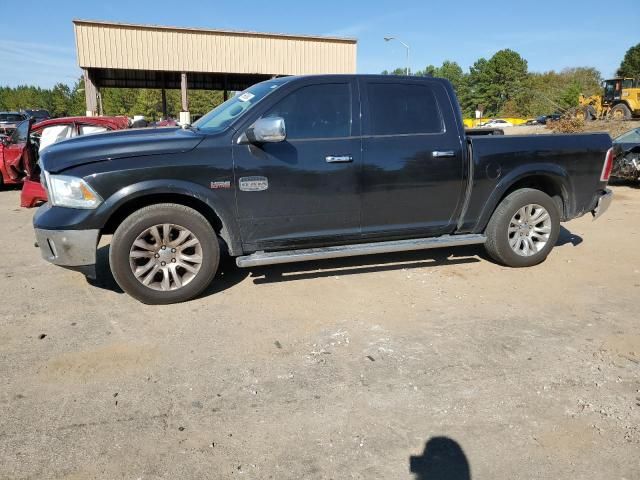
573,161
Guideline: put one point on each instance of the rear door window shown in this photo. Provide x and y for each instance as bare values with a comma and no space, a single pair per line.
402,109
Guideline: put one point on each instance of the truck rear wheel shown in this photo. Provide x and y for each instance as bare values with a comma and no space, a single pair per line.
523,229
164,253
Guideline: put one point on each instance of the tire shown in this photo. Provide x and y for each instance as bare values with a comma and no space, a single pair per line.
504,229
580,113
620,112
169,256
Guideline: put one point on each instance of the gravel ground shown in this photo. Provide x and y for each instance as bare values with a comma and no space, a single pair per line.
428,365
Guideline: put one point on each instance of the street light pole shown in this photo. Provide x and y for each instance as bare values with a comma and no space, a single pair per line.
388,39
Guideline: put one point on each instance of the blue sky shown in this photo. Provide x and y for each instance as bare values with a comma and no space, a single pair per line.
37,44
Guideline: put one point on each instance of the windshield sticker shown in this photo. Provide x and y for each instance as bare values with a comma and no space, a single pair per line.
246,96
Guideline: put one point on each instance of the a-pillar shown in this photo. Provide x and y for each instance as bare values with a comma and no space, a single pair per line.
90,94
185,116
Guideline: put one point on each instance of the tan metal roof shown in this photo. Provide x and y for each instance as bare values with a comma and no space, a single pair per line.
150,47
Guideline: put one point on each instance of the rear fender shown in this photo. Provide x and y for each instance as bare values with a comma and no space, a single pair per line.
550,171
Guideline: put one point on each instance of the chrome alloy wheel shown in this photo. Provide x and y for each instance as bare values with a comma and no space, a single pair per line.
165,257
529,230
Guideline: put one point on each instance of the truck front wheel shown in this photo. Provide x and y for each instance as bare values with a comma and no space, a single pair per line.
164,253
523,229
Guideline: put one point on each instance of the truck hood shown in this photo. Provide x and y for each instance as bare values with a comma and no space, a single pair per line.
120,144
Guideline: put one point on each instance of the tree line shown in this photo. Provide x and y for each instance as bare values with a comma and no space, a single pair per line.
501,85
63,101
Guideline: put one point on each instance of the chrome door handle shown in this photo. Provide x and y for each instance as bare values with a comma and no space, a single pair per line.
338,158
443,153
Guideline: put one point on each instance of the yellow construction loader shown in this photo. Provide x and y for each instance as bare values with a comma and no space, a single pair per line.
619,101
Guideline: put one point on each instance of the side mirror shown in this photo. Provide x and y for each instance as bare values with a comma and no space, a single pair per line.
267,130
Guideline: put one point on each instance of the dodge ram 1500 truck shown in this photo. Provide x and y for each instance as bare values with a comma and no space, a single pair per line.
307,168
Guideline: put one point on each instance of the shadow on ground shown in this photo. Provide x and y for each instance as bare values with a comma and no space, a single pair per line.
229,274
566,238
366,264
442,459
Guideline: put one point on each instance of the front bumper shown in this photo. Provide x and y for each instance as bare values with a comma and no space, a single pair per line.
74,249
604,201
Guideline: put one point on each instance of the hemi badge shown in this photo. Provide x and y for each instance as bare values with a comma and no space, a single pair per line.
217,185
253,184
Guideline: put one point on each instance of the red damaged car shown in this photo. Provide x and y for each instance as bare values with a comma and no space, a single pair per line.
19,152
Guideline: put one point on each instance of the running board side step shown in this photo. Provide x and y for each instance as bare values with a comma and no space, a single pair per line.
291,256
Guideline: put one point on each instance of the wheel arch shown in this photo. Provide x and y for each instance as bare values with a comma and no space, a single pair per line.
214,207
550,179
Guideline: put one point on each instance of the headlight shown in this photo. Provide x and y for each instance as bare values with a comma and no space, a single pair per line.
72,192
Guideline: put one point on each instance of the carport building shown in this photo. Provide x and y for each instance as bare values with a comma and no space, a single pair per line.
150,56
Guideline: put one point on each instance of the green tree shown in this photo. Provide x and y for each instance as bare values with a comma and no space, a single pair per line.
460,81
60,100
501,79
148,103
630,66
397,71
77,103
202,101
559,91
588,78
119,101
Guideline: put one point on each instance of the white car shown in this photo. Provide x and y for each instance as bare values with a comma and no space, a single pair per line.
498,123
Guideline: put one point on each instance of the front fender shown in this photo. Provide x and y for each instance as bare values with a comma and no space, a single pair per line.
220,202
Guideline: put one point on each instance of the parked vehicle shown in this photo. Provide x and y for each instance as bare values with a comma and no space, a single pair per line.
19,151
166,122
619,100
9,121
51,131
38,115
543,119
289,170
626,148
497,123
16,155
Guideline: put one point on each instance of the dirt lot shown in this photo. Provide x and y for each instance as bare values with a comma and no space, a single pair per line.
613,128
341,369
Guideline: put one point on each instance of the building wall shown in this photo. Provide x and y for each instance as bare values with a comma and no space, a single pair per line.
137,47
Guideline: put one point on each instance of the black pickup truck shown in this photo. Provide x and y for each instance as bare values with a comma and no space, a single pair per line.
307,168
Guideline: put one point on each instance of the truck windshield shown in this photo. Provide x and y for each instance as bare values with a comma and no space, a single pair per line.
221,116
